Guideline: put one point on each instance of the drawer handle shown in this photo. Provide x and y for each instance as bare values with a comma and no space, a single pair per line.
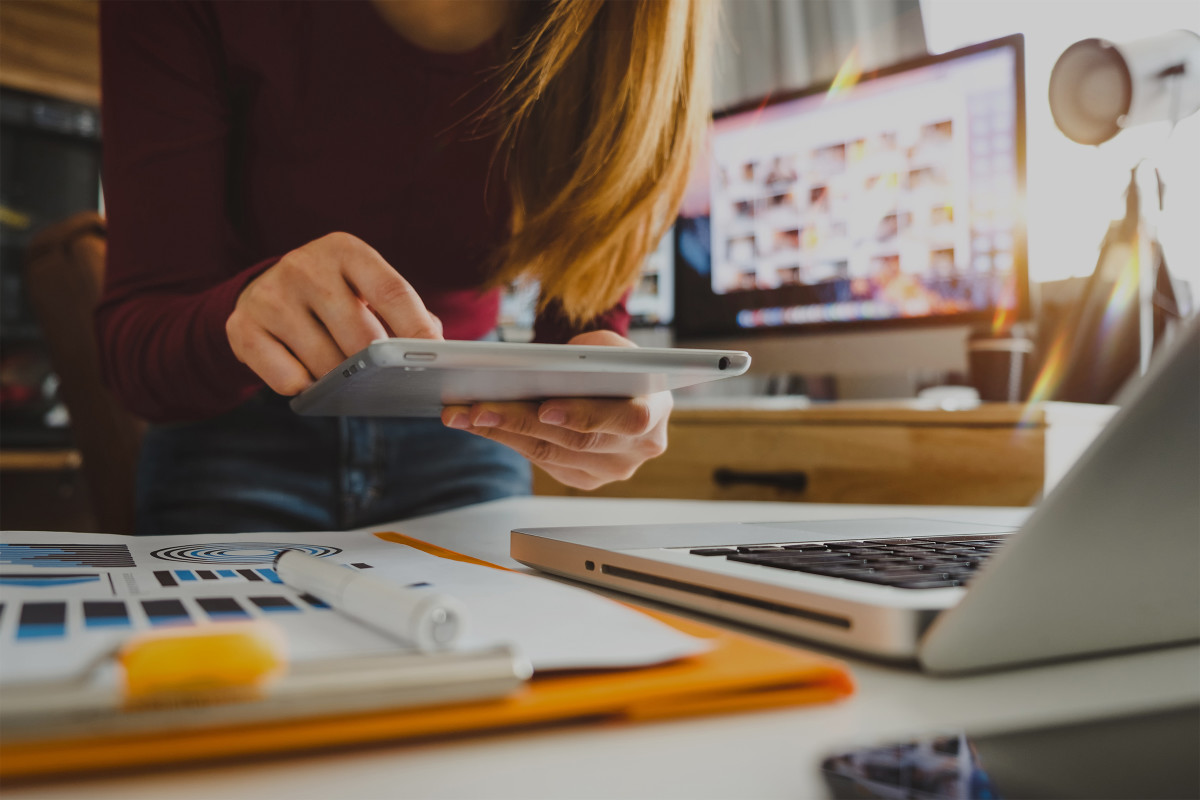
788,481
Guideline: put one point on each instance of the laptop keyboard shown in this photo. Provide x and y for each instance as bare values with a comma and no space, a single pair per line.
933,562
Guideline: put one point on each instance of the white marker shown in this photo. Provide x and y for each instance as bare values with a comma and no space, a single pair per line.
424,618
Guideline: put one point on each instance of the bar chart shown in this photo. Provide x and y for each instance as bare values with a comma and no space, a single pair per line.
99,556
42,621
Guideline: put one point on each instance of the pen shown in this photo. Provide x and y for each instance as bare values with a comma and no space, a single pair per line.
427,619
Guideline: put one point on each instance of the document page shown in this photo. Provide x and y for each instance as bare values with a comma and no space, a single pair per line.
67,599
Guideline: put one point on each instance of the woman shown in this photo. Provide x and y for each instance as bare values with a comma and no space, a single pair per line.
287,181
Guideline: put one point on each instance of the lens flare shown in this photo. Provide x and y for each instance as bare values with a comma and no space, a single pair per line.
1123,295
847,75
1002,320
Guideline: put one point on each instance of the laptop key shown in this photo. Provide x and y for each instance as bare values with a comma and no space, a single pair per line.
775,554
894,577
852,563
759,548
928,584
839,572
791,558
794,566
712,551
806,546
839,560
800,564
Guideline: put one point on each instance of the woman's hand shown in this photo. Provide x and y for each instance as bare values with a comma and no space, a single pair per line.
320,303
583,443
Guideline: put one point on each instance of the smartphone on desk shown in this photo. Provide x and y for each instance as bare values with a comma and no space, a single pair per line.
1151,755
417,377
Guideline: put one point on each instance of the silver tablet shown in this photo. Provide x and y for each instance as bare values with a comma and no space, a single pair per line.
417,377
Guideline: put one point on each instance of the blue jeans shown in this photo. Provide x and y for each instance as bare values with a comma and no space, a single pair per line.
261,467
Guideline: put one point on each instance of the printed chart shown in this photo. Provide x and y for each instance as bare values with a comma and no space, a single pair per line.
64,601
99,556
48,620
70,601
241,553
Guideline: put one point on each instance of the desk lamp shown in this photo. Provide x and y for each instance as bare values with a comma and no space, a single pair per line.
1097,89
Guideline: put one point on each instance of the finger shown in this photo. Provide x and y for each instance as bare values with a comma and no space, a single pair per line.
308,340
438,328
609,466
344,315
637,416
456,417
522,418
389,295
575,478
271,361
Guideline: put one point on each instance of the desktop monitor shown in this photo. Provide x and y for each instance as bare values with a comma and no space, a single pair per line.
892,203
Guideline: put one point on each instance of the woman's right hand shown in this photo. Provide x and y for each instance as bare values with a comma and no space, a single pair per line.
320,303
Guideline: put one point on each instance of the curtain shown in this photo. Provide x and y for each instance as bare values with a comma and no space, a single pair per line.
767,46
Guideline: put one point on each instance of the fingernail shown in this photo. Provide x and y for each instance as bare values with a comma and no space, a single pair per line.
553,416
459,421
487,419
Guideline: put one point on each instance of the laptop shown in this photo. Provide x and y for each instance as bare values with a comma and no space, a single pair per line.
1109,560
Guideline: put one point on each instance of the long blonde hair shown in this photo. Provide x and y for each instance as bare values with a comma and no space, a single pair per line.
603,107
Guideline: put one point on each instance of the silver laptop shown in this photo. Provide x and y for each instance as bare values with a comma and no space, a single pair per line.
1109,561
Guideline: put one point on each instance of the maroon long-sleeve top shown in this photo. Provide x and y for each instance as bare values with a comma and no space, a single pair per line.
235,132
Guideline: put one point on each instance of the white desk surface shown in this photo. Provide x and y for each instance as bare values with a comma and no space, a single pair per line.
765,754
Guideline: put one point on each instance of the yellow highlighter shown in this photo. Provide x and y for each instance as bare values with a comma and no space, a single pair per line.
206,664
224,662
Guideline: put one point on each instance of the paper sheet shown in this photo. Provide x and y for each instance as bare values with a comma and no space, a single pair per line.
67,598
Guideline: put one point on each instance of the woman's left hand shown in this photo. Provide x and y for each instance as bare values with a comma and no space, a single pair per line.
584,443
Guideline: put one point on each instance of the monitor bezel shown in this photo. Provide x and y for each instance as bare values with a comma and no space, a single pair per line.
701,324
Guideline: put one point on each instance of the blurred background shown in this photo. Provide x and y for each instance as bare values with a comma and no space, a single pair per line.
1072,191
887,207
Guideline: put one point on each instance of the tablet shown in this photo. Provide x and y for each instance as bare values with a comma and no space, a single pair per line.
417,377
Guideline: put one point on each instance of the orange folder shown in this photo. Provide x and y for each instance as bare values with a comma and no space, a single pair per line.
739,673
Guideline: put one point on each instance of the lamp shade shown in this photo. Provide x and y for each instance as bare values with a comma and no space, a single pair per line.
1098,87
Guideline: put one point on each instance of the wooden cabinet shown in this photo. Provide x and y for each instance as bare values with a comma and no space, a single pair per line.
43,490
51,47
996,454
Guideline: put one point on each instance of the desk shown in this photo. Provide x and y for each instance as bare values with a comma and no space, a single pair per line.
772,754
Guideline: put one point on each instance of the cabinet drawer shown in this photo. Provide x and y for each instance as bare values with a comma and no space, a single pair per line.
839,462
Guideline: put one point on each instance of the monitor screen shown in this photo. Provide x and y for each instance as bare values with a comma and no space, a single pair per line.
650,303
892,201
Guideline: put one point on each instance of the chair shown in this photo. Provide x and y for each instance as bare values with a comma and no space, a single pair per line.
64,273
